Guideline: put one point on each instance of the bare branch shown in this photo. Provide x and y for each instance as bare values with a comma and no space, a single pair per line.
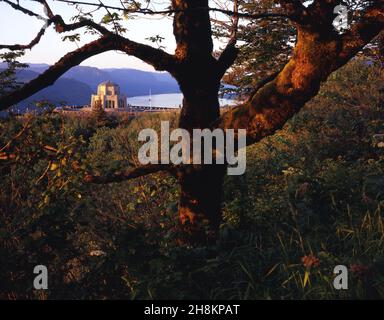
227,57
61,26
20,8
57,20
229,54
156,57
235,22
261,15
110,14
128,174
35,41
147,11
54,72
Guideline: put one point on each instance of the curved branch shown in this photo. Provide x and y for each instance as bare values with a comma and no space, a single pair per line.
61,26
314,58
363,31
230,52
54,72
57,20
34,41
156,57
227,57
22,9
159,59
129,174
147,11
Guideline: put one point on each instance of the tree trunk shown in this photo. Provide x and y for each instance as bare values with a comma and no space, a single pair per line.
201,185
201,188
198,75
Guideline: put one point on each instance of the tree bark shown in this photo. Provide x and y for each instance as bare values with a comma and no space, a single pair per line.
198,74
201,186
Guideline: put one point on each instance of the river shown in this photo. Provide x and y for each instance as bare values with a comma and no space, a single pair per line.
170,100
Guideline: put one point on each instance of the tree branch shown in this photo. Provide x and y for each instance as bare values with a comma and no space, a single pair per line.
129,174
314,58
23,10
227,57
34,41
54,72
57,20
229,54
147,11
61,26
156,57
363,31
295,10
159,59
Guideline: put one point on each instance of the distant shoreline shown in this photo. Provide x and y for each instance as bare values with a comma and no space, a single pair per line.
169,100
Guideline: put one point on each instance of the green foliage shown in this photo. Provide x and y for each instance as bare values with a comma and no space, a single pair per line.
72,38
99,115
265,46
113,19
157,39
8,75
312,198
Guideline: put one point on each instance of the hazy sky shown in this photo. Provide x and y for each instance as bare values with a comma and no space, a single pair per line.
19,28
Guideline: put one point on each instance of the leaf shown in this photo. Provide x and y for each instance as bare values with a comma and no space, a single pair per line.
53,166
72,37
306,279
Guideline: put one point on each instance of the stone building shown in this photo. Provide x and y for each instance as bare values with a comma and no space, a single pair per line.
109,96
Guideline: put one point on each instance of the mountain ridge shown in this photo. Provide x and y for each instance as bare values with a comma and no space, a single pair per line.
76,86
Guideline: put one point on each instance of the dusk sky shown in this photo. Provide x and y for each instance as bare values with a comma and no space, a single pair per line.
20,28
